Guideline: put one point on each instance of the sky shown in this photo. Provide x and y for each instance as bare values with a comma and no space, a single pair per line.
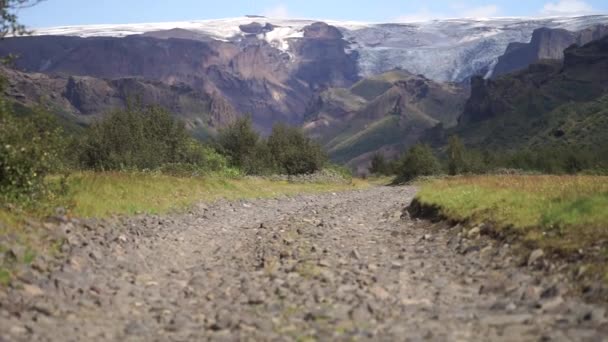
78,12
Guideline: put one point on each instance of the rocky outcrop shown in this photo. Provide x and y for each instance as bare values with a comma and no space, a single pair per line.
550,103
84,98
251,75
546,43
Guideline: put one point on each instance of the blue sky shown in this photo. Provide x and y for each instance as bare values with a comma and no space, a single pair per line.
77,12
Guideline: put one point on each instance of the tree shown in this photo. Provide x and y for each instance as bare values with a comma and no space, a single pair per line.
418,161
239,141
138,138
456,156
9,25
294,152
379,165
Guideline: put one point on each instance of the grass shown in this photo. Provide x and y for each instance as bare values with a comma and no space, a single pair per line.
561,214
102,194
98,195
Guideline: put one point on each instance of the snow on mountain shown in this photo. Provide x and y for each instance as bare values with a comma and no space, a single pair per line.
442,50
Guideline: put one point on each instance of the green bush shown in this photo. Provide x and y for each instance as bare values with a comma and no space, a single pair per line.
287,150
31,148
240,143
418,161
293,152
142,139
379,165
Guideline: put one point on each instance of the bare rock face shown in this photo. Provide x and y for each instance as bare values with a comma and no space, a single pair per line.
249,75
546,43
84,98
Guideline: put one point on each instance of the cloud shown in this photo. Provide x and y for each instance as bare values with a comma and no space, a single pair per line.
567,8
458,10
278,11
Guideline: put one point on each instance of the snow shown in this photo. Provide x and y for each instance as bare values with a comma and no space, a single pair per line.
444,50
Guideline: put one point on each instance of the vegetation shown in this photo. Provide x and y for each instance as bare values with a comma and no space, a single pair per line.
293,152
418,161
287,150
31,148
563,215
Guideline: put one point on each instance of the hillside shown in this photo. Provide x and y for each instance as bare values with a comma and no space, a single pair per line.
552,103
385,113
546,43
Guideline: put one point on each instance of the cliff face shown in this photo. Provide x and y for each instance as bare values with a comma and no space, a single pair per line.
250,75
523,108
546,43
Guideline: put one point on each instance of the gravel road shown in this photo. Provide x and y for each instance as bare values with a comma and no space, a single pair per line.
342,266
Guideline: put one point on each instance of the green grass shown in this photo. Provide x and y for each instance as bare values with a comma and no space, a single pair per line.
561,214
102,194
98,195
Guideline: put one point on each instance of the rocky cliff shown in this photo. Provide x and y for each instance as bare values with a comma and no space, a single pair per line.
546,43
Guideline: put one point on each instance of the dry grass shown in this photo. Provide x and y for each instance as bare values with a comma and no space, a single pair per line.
561,214
102,194
97,195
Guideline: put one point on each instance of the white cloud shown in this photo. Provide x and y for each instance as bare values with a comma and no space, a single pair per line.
458,10
278,11
567,8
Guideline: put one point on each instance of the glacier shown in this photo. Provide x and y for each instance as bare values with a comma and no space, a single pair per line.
443,50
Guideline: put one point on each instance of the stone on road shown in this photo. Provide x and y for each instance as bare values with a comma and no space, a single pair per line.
323,267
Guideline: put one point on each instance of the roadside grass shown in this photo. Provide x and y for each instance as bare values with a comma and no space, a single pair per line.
97,195
102,194
563,215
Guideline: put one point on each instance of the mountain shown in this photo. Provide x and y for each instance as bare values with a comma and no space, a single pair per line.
83,99
251,75
551,103
384,113
442,50
546,43
358,87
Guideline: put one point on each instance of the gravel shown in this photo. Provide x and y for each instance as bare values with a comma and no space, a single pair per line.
329,267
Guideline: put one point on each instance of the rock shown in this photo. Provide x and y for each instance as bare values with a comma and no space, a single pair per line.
379,292
32,290
18,330
474,233
535,257
486,254
553,304
355,254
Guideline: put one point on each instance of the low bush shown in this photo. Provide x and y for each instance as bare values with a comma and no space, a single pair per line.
31,148
418,161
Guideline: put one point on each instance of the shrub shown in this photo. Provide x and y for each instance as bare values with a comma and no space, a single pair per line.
142,138
418,161
240,143
293,152
379,165
31,148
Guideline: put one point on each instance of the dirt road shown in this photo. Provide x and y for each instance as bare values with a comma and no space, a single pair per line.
313,267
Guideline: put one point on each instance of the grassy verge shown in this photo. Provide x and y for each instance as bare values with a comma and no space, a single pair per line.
564,215
101,194
98,195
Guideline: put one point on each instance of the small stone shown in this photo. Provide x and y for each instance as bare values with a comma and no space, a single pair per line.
355,254
122,238
17,330
396,265
474,233
535,256
32,290
379,292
